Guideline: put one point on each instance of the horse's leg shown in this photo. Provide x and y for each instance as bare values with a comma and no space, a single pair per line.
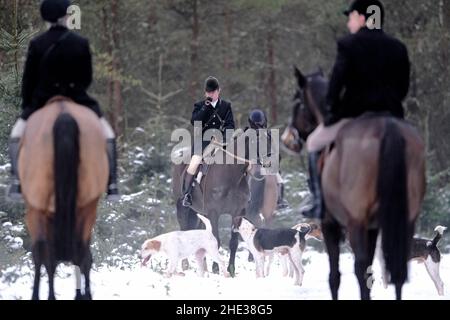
35,221
78,294
38,253
50,266
359,241
332,236
234,242
85,224
86,269
372,243
214,218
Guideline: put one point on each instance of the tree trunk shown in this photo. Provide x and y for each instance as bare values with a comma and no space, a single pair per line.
271,81
194,49
117,103
227,37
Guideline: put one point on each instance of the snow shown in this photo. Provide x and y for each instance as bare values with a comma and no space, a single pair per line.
149,282
130,197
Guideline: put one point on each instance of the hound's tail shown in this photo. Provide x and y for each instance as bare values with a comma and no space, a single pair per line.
440,231
206,222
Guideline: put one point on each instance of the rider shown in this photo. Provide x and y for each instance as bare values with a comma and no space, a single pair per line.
58,63
214,113
257,120
371,73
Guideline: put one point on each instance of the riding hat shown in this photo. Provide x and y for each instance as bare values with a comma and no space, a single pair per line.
211,84
52,10
257,119
361,7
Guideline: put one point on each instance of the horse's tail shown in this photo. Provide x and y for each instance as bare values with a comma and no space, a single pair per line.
66,160
206,222
393,202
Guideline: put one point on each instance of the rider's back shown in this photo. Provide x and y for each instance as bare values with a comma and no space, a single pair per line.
376,75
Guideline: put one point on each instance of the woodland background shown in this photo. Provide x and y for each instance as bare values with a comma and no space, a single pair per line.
150,61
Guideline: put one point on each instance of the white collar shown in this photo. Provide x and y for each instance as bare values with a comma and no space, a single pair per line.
214,103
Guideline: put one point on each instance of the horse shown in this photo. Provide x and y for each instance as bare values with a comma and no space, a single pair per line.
373,179
263,197
223,190
63,169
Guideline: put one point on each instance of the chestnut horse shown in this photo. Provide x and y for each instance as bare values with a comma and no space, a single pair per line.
373,180
63,170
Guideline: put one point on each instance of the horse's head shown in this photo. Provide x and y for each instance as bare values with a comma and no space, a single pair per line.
308,107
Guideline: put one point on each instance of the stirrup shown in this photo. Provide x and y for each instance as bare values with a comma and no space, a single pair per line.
187,200
312,212
113,193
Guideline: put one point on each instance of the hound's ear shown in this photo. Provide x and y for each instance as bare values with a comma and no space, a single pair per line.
301,80
155,245
237,221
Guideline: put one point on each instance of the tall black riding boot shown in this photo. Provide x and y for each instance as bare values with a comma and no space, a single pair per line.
14,192
187,189
316,211
281,202
113,191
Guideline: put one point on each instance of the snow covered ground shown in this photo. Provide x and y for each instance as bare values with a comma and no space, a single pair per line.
149,283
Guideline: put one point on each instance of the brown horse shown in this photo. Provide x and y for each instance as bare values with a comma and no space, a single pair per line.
373,180
223,190
63,170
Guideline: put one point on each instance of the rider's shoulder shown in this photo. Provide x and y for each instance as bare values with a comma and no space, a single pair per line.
395,42
346,41
225,103
199,103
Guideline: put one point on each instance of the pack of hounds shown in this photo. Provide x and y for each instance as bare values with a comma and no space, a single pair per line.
288,244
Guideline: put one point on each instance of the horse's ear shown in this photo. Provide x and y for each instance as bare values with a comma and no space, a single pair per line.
300,77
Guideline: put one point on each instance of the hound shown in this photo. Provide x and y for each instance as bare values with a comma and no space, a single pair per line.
178,245
265,242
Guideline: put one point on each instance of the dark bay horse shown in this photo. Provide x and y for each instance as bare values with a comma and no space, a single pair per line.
224,190
373,180
63,170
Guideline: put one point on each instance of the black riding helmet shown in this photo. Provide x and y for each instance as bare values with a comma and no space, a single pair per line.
52,10
257,119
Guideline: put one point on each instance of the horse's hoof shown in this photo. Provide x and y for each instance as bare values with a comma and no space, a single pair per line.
87,296
231,270
78,295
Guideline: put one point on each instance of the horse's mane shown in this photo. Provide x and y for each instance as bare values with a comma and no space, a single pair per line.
318,84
